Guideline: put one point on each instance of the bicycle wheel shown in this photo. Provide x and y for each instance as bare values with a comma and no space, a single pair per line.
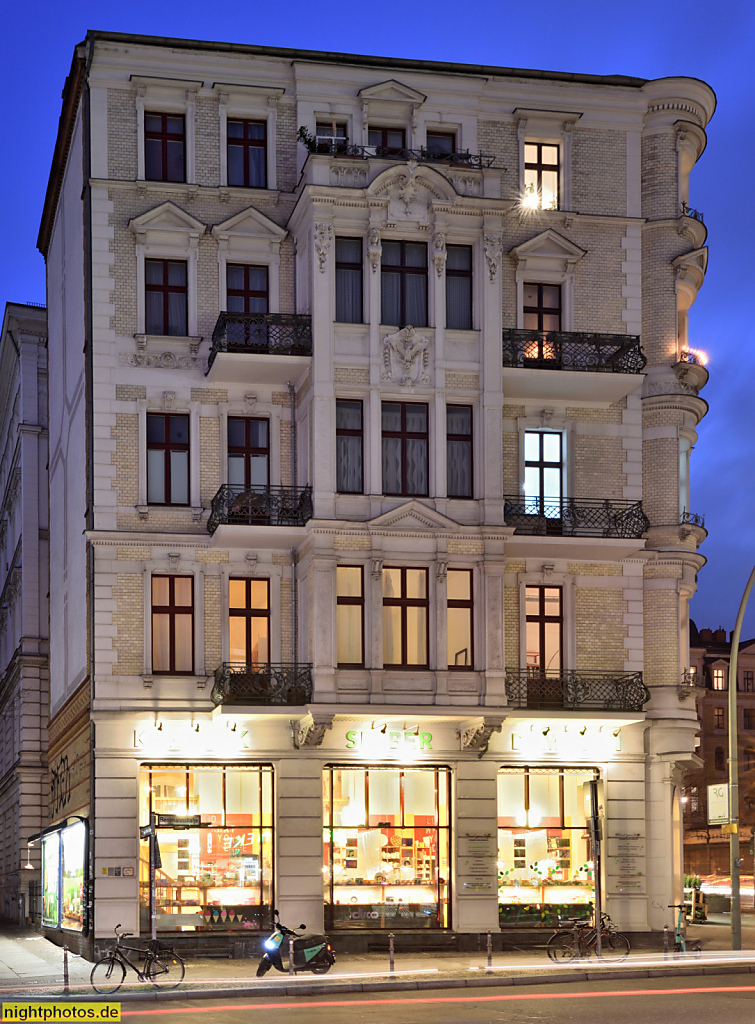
562,947
107,975
166,970
614,946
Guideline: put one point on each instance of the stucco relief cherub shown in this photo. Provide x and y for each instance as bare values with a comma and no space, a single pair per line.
406,357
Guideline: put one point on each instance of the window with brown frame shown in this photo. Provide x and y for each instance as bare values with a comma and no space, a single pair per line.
544,630
543,473
330,138
349,280
405,618
459,287
350,616
403,284
459,451
166,297
387,141
349,447
246,288
167,458
718,679
748,719
172,625
404,448
440,142
718,718
249,452
719,759
247,153
249,621
541,173
459,618
747,681
541,307
164,147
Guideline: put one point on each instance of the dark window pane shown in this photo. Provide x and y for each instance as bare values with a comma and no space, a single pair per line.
459,303
235,129
153,271
177,315
459,257
153,160
348,296
416,419
256,130
236,433
391,416
258,279
235,165
177,274
439,143
179,429
349,250
257,167
258,433
415,300
349,465
348,415
391,255
390,298
174,125
175,170
416,254
152,122
153,321
458,419
392,465
459,469
156,428
235,276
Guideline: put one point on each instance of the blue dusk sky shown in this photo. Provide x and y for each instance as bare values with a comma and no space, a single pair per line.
645,38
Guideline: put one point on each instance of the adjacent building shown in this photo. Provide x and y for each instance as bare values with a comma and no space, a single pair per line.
371,544
23,605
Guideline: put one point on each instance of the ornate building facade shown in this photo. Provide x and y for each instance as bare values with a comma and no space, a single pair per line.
376,400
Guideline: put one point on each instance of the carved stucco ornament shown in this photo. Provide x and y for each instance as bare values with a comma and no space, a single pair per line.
323,235
439,251
374,249
406,357
492,247
310,731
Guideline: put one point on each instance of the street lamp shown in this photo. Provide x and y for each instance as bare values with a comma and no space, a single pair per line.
735,861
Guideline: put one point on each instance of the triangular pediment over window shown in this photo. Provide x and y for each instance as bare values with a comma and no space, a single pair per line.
252,223
413,516
167,217
392,90
547,249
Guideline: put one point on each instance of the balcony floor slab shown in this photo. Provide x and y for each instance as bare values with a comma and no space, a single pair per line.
572,387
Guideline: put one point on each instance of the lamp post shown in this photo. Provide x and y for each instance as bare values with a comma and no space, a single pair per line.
735,861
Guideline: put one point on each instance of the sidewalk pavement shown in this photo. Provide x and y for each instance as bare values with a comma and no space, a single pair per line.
31,966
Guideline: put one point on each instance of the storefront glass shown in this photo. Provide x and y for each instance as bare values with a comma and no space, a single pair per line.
217,876
386,847
544,859
64,877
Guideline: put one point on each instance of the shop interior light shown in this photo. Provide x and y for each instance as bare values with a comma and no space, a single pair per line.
583,730
546,731
617,731
28,866
159,726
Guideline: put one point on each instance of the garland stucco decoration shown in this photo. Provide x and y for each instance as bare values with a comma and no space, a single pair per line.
163,361
492,246
323,236
406,357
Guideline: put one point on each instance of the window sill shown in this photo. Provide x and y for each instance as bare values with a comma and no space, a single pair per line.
181,677
145,340
144,510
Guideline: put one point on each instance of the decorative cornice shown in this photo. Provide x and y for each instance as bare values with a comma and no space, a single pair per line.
162,361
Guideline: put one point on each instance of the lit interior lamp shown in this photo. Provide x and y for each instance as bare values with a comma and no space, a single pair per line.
530,198
28,866
695,355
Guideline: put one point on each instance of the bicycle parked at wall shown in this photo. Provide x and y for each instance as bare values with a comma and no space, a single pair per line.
162,966
578,941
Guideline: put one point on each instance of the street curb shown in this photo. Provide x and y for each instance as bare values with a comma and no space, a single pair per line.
334,988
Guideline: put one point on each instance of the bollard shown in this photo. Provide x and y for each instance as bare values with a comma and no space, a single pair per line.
490,950
390,952
665,942
66,988
291,957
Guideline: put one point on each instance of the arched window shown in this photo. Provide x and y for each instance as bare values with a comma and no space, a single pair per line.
718,759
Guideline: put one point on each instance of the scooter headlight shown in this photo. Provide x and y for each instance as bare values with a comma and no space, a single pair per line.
270,944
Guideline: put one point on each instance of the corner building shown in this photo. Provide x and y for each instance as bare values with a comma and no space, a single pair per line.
374,396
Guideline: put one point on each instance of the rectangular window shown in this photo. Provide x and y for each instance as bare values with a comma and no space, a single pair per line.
403,284
386,842
246,289
164,147
172,625
166,297
64,877
350,616
545,624
747,681
386,141
405,618
330,137
349,280
247,153
543,473
541,307
405,442
541,172
748,718
718,718
459,287
545,865
249,621
349,447
459,450
441,143
718,679
248,453
167,459
459,618
217,876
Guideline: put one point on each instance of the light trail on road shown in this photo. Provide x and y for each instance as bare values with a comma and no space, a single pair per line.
300,1004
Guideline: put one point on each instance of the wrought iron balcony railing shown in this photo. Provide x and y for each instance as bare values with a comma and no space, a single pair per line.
275,334
343,148
575,517
237,683
572,690
691,519
573,350
235,505
688,211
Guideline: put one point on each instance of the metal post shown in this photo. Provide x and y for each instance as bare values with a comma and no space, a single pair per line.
595,842
66,987
665,942
735,862
490,950
291,957
152,880
390,952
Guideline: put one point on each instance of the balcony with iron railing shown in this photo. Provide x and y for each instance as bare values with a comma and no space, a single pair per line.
237,683
577,355
328,146
575,517
236,505
262,348
574,690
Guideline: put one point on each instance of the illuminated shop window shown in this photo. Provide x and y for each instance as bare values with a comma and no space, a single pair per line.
545,864
217,876
64,859
386,847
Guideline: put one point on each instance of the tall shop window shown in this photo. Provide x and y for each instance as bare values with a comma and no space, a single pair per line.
247,153
403,284
172,625
167,459
164,147
166,297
